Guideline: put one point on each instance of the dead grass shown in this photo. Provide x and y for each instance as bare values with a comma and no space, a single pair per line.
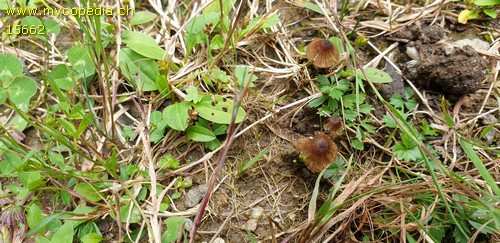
381,198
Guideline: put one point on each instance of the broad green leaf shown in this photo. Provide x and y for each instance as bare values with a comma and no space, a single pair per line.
375,75
260,22
68,126
193,95
33,25
18,123
31,180
357,144
156,119
313,7
88,192
64,234
214,7
174,224
20,92
133,216
397,101
168,161
491,12
63,76
177,115
91,238
34,217
466,14
41,239
219,129
127,132
143,44
338,43
218,109
79,57
141,72
162,84
51,26
195,29
406,154
486,2
217,42
48,221
141,17
4,5
10,66
200,134
11,162
317,101
220,75
157,134
243,75
407,150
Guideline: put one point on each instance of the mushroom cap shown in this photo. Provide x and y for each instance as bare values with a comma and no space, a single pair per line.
333,124
319,151
323,53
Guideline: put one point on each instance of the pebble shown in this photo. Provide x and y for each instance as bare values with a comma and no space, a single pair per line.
188,223
251,224
490,135
256,212
448,50
488,119
194,195
412,52
411,67
218,240
477,43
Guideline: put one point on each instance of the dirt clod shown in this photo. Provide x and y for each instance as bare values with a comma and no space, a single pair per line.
425,33
457,72
438,66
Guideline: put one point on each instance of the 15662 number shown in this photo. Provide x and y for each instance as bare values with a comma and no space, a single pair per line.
25,29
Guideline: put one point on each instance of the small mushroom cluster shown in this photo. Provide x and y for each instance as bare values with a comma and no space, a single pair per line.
320,150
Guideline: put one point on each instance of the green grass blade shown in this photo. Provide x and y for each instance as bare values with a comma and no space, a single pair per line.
254,159
467,147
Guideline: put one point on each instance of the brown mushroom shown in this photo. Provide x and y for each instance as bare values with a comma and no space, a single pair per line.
318,151
322,53
333,125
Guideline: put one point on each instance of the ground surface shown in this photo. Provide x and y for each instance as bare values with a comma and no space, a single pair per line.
382,187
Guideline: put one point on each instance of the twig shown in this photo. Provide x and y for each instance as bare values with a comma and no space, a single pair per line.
220,163
222,226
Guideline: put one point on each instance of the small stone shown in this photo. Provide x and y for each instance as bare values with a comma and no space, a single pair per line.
412,52
218,240
488,119
194,195
490,135
477,43
412,69
448,50
251,224
256,212
188,223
